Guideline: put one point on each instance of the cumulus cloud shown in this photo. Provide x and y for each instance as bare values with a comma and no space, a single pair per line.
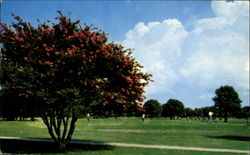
190,65
157,46
220,47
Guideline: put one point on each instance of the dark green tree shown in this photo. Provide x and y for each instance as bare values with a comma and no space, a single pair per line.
198,112
152,108
227,101
188,112
206,110
173,108
14,106
66,68
245,112
165,111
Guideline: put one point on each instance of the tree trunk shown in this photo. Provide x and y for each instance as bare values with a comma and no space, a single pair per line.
71,130
61,145
32,118
225,118
62,139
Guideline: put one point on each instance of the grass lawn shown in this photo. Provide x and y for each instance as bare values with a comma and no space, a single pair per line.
231,135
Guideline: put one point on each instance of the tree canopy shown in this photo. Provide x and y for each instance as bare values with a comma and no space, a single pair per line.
188,112
152,108
173,108
227,101
65,68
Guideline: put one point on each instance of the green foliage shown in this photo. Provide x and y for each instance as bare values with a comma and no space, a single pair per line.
14,106
205,111
173,108
197,112
188,112
152,108
66,68
245,112
227,101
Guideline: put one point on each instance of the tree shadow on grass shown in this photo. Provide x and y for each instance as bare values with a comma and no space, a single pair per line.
238,138
15,146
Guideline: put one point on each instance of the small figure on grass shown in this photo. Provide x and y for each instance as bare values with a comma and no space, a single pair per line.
210,114
143,117
88,118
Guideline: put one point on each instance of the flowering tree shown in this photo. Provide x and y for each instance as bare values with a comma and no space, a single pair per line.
65,68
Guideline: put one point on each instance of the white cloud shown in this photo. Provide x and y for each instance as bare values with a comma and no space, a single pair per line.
214,53
158,45
230,10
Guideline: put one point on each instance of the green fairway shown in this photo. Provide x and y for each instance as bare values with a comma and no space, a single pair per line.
141,151
231,135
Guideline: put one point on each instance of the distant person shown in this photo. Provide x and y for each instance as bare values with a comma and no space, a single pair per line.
88,118
187,119
143,117
210,114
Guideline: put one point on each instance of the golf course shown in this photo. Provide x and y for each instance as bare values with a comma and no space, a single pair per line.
105,136
127,77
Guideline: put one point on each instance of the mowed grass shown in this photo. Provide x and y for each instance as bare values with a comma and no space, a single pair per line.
195,133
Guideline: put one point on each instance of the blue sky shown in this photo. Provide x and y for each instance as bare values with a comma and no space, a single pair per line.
114,17
190,47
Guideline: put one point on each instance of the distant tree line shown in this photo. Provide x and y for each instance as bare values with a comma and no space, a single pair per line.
174,109
227,104
15,106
